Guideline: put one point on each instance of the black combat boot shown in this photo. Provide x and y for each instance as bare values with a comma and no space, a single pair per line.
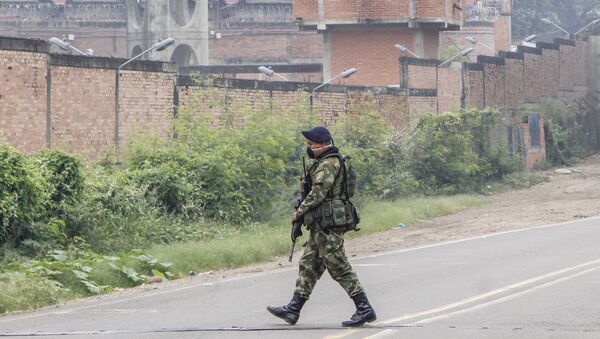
290,312
364,312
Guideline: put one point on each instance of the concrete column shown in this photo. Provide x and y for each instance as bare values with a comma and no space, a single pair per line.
327,55
203,53
594,63
418,44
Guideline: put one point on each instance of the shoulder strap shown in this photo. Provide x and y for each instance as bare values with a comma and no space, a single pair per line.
343,165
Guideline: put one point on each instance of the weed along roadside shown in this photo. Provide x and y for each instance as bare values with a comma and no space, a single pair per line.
218,195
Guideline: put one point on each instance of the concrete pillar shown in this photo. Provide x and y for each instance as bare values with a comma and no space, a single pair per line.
594,63
326,55
418,44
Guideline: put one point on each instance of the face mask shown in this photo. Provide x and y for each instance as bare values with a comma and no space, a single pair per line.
311,151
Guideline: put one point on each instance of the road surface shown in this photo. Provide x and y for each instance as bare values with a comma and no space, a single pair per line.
542,282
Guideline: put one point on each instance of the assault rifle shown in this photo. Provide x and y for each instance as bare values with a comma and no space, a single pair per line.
298,199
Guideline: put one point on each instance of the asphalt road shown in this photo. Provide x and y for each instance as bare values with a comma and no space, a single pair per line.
536,283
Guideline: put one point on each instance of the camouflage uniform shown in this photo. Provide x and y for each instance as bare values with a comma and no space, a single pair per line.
325,247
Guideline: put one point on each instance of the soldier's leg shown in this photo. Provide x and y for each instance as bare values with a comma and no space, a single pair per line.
331,246
311,268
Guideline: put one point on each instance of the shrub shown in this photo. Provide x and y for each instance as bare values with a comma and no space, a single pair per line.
21,195
63,172
459,151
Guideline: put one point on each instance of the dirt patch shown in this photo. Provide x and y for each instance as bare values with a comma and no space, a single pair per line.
570,194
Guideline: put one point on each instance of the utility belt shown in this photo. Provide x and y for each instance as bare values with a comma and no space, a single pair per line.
334,213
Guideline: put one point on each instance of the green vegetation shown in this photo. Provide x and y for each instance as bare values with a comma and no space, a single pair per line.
569,14
219,195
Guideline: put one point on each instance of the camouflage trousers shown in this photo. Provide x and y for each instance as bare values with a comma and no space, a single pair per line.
325,251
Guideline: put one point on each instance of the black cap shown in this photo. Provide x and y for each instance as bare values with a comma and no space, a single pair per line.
318,134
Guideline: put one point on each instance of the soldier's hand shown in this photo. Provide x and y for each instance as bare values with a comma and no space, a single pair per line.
296,230
295,217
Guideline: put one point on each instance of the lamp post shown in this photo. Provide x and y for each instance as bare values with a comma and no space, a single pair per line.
269,72
403,49
345,74
159,46
547,21
461,53
474,41
67,47
595,21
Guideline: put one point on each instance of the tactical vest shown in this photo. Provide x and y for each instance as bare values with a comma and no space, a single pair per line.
336,211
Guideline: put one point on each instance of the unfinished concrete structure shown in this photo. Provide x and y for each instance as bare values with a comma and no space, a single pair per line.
184,20
100,24
362,33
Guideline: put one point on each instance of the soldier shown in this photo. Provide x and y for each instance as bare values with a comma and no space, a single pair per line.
325,212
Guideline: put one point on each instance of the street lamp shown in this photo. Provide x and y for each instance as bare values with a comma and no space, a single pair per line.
530,38
403,49
345,74
461,53
269,72
159,46
474,41
595,21
547,21
67,47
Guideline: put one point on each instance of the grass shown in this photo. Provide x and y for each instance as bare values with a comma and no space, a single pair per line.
235,247
265,241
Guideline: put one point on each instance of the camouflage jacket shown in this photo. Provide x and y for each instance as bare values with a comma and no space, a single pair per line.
323,173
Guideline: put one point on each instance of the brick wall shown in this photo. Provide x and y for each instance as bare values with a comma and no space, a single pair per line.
230,98
449,89
421,76
494,71
515,72
582,55
418,106
68,102
354,11
266,47
146,104
550,70
376,59
23,95
532,70
567,65
82,110
474,91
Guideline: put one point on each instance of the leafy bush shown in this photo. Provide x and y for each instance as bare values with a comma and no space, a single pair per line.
64,174
21,195
562,130
455,152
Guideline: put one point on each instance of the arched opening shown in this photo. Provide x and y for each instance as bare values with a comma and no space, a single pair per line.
182,11
136,51
184,55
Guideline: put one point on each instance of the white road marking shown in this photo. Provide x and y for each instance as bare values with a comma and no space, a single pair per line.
86,304
513,290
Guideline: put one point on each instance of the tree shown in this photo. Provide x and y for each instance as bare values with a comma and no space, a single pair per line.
570,14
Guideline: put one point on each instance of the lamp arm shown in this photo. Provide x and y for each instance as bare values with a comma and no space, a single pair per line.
447,61
281,76
136,57
325,83
586,26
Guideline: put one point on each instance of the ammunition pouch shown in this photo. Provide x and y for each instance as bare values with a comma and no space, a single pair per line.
334,213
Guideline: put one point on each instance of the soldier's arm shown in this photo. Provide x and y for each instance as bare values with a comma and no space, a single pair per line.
323,180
